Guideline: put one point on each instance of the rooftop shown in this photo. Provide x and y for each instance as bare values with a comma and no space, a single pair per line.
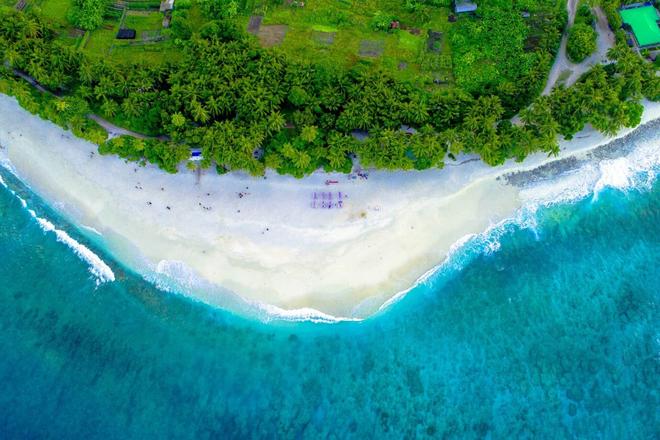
644,24
464,6
166,5
126,34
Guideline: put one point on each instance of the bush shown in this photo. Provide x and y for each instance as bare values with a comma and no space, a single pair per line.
143,5
180,27
412,6
382,21
222,30
219,9
611,8
584,15
581,42
87,14
166,155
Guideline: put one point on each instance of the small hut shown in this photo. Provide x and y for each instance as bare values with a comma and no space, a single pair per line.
464,7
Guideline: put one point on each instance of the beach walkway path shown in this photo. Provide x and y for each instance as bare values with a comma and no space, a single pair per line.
112,129
115,131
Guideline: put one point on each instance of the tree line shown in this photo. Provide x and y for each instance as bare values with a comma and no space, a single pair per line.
249,108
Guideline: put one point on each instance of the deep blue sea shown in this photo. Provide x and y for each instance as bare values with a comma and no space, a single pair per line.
554,333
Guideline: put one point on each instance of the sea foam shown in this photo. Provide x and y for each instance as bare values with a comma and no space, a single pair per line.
638,169
176,277
588,180
97,266
274,313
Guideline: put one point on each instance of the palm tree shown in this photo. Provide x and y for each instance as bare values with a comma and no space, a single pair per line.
275,123
61,105
12,55
85,92
198,112
130,107
37,70
215,106
453,140
109,108
302,160
309,133
86,72
31,28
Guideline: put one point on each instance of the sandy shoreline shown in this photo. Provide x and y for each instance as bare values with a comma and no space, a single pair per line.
268,240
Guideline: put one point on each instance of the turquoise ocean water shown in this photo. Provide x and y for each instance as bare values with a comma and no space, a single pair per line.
553,333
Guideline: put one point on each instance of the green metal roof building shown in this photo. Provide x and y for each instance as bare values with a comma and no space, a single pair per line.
644,24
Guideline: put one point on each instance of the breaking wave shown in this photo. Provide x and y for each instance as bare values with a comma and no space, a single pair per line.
634,166
176,277
638,169
97,267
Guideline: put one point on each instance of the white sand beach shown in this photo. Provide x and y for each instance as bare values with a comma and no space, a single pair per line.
267,240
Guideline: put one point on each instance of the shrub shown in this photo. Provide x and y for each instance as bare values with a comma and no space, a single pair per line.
584,15
180,27
581,42
382,21
218,9
222,30
87,14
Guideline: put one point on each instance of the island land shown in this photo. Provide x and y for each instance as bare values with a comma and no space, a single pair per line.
325,245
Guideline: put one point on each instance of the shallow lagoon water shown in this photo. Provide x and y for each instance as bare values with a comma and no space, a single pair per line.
548,331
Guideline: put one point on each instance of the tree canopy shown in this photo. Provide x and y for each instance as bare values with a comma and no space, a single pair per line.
249,108
581,42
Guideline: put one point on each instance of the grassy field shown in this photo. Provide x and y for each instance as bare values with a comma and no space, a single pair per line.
146,46
336,32
486,48
342,32
54,10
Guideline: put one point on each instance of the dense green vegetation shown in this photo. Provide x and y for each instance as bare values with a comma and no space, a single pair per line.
249,108
582,36
70,113
504,53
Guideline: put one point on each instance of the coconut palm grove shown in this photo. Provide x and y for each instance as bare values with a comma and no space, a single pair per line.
208,84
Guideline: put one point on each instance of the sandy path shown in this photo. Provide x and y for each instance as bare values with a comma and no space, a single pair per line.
561,61
114,130
604,42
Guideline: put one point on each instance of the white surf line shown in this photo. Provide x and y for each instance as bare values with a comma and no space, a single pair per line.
489,241
616,173
90,229
179,279
97,267
305,314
